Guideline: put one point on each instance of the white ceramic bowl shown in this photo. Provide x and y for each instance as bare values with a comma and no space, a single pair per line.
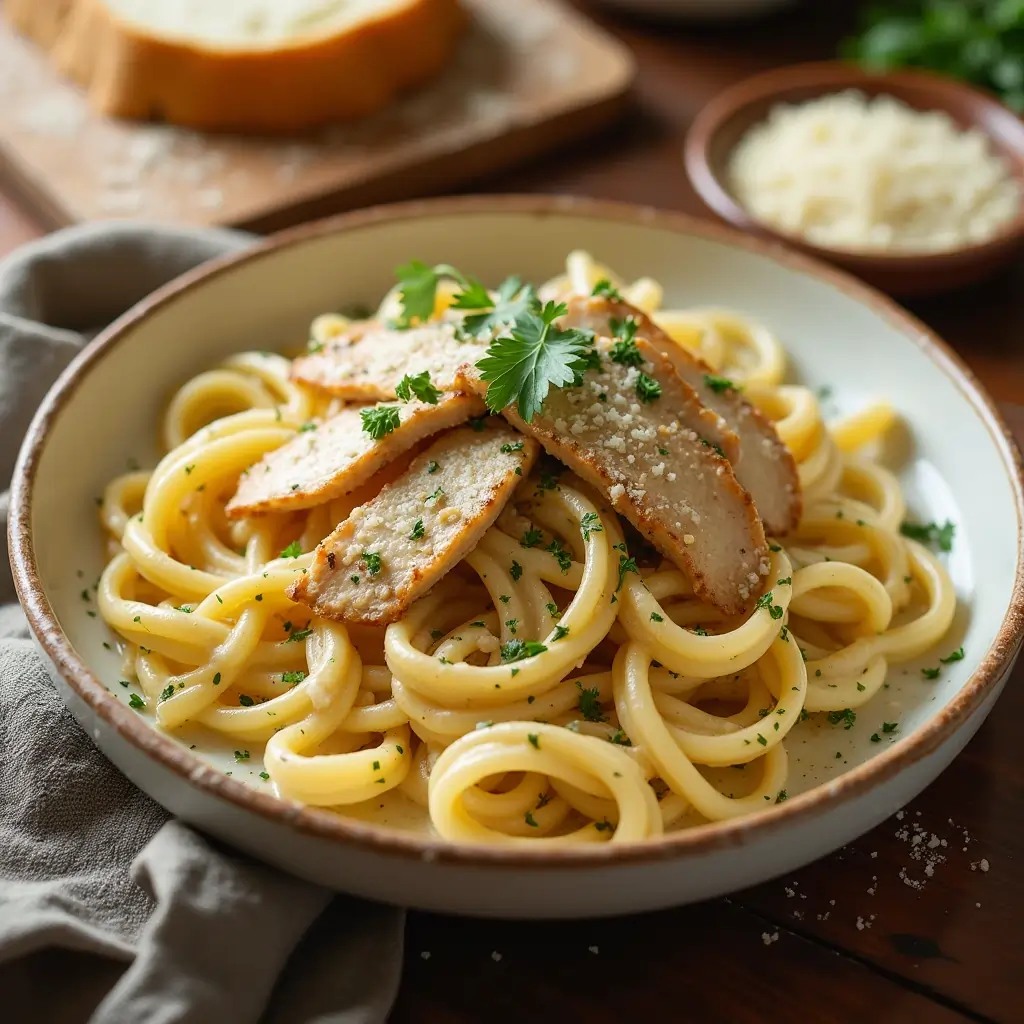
959,463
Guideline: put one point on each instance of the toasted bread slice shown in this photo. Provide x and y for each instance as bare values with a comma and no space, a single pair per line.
392,550
366,367
337,456
250,65
763,464
656,470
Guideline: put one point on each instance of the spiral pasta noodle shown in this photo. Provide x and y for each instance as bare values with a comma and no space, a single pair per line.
632,709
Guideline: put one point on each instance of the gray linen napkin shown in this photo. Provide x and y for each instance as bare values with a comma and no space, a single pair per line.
88,863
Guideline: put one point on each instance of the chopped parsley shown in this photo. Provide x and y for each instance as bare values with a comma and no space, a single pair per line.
292,551
264,776
931,673
135,701
765,601
294,678
167,692
531,538
957,655
514,446
245,700
516,571
890,727
436,495
624,351
626,565
380,420
529,819
783,795
372,562
560,632
517,650
847,717
241,755
719,384
432,466
534,739
590,523
620,739
563,557
298,635
647,389
512,625
552,609
931,533
590,703
417,530
216,679
418,386
655,617
605,288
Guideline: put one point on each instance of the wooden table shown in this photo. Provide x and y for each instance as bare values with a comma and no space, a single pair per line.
887,928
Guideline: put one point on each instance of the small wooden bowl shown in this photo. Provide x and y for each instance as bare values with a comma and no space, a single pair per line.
722,123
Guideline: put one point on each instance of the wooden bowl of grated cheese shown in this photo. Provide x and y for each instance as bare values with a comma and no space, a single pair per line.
910,180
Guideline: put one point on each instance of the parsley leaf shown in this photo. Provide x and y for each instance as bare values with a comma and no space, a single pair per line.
647,389
372,560
846,716
294,678
516,571
590,703
520,367
292,551
517,650
380,420
420,386
417,530
605,288
957,655
531,538
514,299
590,523
563,557
719,384
418,286
624,351
931,533
626,565
765,601
560,632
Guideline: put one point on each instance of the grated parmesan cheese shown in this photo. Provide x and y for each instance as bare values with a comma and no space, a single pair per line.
848,172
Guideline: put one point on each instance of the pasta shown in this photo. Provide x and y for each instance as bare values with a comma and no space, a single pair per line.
629,709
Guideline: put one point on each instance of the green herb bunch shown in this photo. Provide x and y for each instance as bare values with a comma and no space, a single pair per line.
980,41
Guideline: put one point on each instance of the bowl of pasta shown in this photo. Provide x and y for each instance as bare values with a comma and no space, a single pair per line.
594,560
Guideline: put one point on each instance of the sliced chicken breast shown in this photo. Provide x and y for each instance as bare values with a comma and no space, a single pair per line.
370,366
337,456
392,550
763,464
639,447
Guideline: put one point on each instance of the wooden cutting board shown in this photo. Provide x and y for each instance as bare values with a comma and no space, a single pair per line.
530,74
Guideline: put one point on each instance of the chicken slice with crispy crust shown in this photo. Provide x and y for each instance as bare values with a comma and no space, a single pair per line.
392,550
762,463
640,447
370,366
335,457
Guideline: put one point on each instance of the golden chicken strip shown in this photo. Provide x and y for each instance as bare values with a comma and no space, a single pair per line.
393,549
329,459
629,431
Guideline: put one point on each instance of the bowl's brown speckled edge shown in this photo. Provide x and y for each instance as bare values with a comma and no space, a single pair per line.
723,122
697,842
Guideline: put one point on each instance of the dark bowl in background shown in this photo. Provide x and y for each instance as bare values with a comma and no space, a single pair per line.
724,120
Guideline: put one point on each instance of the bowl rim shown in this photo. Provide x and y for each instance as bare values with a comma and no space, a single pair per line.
326,825
834,76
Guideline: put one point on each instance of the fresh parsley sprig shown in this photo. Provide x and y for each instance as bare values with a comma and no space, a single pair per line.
418,385
520,367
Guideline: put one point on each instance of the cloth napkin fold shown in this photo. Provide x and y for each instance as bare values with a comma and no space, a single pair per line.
88,863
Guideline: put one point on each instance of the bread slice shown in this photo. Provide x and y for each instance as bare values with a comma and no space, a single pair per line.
274,66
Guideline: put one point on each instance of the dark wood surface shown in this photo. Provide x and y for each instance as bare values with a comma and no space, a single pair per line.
890,928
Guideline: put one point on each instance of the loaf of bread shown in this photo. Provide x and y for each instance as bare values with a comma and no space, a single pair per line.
243,65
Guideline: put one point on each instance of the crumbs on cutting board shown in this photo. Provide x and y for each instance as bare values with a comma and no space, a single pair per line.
130,170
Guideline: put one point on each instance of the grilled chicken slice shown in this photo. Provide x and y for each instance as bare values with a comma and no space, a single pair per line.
764,465
338,456
367,367
656,469
392,550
